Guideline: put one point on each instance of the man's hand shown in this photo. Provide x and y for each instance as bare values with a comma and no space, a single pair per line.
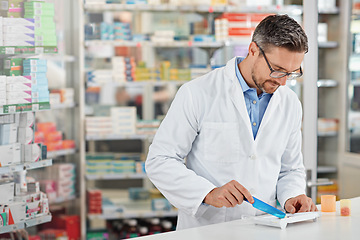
301,203
229,195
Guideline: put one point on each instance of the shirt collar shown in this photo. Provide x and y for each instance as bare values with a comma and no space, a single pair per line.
245,87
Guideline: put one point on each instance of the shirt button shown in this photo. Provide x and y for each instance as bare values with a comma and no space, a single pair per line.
254,124
254,102
253,157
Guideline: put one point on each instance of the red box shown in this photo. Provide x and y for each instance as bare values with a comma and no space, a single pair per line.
70,223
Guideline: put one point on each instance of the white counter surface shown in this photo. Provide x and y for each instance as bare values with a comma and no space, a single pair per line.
328,226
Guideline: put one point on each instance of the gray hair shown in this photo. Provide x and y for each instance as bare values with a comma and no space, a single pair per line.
280,31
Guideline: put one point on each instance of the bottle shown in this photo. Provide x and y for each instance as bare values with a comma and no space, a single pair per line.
166,226
154,226
132,230
143,230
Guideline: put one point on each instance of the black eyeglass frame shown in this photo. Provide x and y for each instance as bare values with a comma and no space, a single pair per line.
291,75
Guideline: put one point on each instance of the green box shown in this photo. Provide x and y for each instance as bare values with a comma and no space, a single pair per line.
12,62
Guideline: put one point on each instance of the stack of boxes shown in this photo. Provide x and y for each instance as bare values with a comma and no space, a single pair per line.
123,69
26,82
115,31
105,164
62,96
47,134
36,69
18,32
43,13
122,31
17,140
59,182
163,36
94,201
19,204
236,26
123,120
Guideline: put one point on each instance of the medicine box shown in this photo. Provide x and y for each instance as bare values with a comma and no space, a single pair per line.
26,135
17,212
8,133
7,192
32,152
10,154
26,119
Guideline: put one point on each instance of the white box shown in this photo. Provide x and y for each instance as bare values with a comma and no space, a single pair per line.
31,152
10,154
14,87
19,21
18,79
17,95
7,192
18,101
8,133
27,119
26,135
18,212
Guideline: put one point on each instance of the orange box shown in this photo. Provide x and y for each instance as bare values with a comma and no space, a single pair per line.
39,137
54,146
46,127
328,203
53,136
68,144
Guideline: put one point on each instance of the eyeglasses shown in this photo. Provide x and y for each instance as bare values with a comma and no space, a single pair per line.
279,74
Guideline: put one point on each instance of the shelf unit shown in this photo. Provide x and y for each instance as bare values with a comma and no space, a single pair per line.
306,10
26,224
59,153
25,166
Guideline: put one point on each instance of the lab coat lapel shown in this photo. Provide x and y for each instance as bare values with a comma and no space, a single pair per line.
273,104
237,97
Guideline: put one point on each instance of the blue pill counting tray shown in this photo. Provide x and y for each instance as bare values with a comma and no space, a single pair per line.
273,221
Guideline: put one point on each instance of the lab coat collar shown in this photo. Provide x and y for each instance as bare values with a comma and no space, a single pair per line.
238,100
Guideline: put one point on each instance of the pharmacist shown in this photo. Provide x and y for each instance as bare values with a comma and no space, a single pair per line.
236,132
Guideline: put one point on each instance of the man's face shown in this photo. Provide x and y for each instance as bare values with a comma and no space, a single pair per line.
280,59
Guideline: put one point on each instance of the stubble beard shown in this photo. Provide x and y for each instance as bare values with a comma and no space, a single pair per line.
261,86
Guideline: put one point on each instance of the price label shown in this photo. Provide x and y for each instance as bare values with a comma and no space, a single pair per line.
12,109
39,50
28,166
34,68
35,107
10,50
14,227
37,5
13,168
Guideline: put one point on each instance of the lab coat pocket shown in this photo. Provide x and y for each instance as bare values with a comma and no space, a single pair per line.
221,142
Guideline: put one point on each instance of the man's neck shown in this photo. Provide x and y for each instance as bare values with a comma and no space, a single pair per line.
245,71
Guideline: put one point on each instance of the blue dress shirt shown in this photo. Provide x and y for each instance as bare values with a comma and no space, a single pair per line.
255,105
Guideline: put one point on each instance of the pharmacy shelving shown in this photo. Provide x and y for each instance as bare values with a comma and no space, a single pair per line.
28,107
25,224
290,9
16,50
170,44
59,153
134,214
327,83
25,166
142,83
85,45
118,137
327,169
329,134
62,106
59,200
117,176
329,44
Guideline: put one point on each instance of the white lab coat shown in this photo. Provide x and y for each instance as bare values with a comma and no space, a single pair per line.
208,124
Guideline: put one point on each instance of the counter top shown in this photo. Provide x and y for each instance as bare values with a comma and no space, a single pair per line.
328,226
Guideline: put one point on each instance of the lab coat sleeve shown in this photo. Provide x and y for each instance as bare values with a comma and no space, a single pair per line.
292,177
165,164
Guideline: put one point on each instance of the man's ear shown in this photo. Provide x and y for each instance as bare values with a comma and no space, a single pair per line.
253,49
